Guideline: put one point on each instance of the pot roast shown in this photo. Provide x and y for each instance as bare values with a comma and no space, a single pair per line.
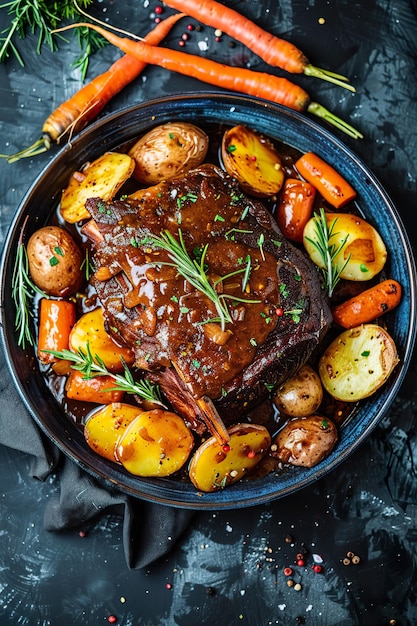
210,356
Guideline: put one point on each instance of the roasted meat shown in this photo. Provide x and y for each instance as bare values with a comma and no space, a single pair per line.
268,312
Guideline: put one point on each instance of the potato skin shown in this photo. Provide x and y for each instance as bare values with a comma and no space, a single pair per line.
300,395
305,441
55,261
167,150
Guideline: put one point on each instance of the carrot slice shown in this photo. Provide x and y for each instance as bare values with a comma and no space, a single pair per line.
56,319
96,389
332,186
368,305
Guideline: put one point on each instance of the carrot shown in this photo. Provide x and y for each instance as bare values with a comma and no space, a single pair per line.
99,389
74,114
368,305
259,84
332,186
294,208
56,319
274,50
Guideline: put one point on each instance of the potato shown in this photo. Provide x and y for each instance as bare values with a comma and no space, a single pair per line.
305,441
167,150
214,466
364,245
358,362
90,331
104,427
253,161
300,395
55,261
100,179
156,443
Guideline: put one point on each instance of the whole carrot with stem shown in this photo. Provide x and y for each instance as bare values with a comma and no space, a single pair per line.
74,114
260,84
274,50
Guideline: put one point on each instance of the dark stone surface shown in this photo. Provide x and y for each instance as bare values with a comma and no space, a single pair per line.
227,567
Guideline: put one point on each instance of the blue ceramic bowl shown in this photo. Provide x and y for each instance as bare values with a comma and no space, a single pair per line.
280,124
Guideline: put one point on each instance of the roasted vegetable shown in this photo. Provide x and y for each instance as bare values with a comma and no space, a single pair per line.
167,150
332,186
56,320
213,466
300,395
98,389
89,334
156,443
358,362
102,179
55,261
305,441
362,252
104,427
253,161
295,208
368,305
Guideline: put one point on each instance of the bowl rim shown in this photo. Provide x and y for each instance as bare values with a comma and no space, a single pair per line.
71,442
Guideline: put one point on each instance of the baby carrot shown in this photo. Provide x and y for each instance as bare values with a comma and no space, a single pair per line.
74,114
259,84
98,389
368,305
56,319
332,186
274,50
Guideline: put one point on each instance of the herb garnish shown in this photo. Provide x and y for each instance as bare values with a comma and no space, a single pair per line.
195,271
94,366
23,290
40,17
328,251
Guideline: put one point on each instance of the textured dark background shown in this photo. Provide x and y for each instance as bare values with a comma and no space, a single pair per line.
227,567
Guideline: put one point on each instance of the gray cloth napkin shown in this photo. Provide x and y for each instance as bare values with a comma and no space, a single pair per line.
149,529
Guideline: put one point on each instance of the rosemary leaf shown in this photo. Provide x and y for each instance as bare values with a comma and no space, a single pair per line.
91,367
328,252
23,290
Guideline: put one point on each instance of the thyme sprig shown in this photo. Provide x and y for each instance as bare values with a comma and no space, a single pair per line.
91,367
194,271
328,252
23,290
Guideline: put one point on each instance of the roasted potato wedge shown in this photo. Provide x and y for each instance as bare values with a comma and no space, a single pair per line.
102,178
89,333
305,441
104,427
358,362
55,261
300,395
156,443
214,466
253,161
364,250
167,150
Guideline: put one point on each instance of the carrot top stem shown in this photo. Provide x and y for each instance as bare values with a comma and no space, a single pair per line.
330,77
317,109
38,147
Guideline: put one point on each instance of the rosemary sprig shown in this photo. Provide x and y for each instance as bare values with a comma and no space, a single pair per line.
328,251
23,290
194,271
91,367
40,17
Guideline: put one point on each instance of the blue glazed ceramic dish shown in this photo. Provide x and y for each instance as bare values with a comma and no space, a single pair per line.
280,124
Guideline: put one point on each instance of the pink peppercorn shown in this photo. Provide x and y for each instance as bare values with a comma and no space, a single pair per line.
300,562
158,10
287,571
317,568
112,619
